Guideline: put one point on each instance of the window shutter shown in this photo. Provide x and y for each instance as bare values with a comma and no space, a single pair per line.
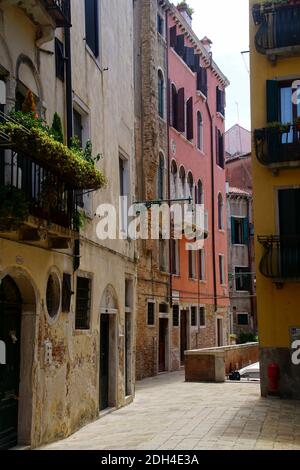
272,101
189,116
189,56
180,45
233,230
218,95
59,60
217,145
246,230
221,150
180,111
66,293
173,37
202,80
196,65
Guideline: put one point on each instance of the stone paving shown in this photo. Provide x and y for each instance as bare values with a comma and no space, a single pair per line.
171,414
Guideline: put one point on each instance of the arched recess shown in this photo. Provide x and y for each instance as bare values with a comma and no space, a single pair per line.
182,179
174,180
28,350
109,347
27,74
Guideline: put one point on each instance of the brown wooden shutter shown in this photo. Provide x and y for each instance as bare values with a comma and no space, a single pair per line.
173,37
180,45
217,145
190,120
196,66
180,111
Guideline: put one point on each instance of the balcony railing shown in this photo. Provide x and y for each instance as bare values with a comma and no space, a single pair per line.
60,11
45,194
279,28
281,259
278,147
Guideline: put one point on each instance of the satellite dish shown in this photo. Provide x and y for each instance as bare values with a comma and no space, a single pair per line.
2,92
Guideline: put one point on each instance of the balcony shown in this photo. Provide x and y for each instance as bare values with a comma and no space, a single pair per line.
278,31
278,147
281,258
46,14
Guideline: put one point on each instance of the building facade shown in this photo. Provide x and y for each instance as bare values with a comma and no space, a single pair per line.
66,296
274,54
200,296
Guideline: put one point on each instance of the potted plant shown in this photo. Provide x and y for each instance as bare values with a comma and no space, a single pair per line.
14,208
232,338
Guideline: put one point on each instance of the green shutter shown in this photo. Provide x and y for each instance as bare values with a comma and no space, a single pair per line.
233,230
246,231
273,102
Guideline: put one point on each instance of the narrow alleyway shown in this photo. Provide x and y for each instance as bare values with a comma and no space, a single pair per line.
171,414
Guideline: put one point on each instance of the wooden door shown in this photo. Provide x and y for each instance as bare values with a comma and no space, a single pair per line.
163,331
104,361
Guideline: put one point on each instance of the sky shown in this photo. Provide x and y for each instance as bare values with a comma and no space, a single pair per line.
226,24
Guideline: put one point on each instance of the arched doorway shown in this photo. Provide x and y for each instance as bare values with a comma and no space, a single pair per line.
108,350
10,335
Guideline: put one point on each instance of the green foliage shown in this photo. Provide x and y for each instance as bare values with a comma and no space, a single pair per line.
190,10
86,153
13,208
56,129
32,137
244,338
79,220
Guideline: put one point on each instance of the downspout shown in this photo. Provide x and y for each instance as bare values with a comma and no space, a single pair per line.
168,150
213,206
250,264
69,107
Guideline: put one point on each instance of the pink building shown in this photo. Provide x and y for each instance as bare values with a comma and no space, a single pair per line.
196,141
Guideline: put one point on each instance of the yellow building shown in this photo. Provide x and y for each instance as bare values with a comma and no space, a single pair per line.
275,100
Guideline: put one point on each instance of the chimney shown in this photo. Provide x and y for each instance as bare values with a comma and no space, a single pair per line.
185,11
207,43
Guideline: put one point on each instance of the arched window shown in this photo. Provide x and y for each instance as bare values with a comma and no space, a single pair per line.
199,196
160,94
174,106
190,181
199,131
174,175
220,212
160,176
182,182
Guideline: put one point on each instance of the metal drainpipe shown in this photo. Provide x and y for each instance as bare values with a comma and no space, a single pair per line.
213,205
168,150
69,106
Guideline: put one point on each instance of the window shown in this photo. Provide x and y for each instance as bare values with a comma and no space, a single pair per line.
202,319
182,182
220,96
92,26
151,314
59,60
174,103
175,315
175,256
220,148
243,319
202,81
161,94
189,119
83,303
193,316
192,264
66,293
160,24
199,197
239,230
222,269
124,191
190,182
220,212
242,279
53,294
174,174
201,264
280,105
78,127
199,131
161,176
163,308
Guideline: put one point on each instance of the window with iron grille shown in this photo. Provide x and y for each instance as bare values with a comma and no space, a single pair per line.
202,320
83,303
175,315
151,314
193,316
59,60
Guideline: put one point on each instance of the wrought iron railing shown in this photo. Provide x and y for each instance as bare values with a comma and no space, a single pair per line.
278,146
60,10
45,193
279,26
281,259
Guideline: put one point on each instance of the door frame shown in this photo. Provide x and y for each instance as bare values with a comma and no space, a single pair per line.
113,357
164,317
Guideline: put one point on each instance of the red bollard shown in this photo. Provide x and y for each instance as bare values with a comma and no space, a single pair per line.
273,375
